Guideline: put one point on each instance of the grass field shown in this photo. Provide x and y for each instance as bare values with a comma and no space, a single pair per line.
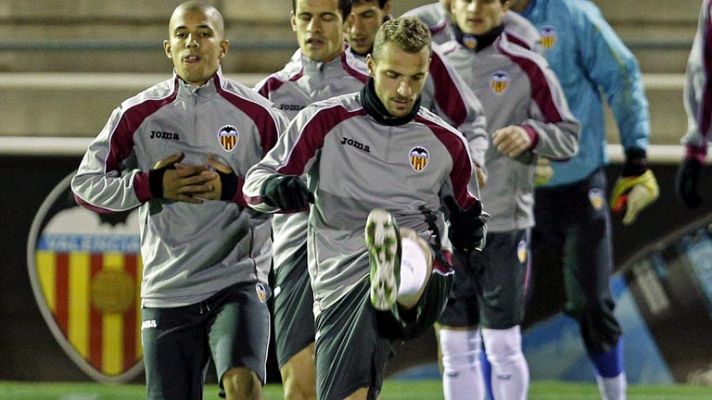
392,390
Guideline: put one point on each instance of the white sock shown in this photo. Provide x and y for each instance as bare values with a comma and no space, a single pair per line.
510,373
612,388
462,378
413,271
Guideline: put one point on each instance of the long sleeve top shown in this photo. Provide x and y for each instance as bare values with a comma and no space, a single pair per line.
353,164
189,251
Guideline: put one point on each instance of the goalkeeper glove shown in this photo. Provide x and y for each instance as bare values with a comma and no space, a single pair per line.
287,192
543,171
687,179
635,189
467,227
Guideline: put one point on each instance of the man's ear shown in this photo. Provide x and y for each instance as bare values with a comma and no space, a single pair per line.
224,48
371,64
293,21
167,48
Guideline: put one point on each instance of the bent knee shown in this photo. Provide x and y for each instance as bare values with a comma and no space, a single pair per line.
298,376
241,383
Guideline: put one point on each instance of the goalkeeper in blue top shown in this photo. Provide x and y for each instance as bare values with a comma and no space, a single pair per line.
573,224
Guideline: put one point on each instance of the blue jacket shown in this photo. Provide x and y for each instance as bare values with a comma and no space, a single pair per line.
586,54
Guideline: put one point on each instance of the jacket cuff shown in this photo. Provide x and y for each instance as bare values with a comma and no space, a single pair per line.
636,162
232,188
697,153
156,182
533,135
142,186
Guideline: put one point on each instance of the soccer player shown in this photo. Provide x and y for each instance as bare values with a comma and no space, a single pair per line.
365,19
527,116
179,151
444,92
698,104
438,17
319,70
374,161
575,235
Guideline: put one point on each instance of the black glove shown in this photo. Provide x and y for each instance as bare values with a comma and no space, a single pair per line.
155,175
467,227
686,180
287,192
230,184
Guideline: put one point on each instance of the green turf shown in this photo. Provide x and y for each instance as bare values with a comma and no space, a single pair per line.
392,390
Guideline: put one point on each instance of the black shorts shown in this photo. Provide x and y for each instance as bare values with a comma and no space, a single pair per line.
293,308
353,340
490,285
231,326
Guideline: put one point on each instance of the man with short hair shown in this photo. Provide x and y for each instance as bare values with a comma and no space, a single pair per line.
438,17
179,151
574,237
698,104
444,92
320,69
374,161
527,118
365,19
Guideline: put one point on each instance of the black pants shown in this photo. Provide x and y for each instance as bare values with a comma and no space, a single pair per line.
572,258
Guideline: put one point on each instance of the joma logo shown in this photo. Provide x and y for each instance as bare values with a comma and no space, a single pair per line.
358,145
290,107
164,135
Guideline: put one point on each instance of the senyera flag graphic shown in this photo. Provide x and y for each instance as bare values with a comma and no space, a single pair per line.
85,271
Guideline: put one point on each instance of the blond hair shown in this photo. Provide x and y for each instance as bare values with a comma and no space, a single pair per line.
409,34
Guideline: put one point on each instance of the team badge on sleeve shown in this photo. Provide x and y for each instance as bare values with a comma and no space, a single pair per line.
499,82
595,196
548,36
228,136
419,157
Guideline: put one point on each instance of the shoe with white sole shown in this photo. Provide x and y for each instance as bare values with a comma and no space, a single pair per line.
384,253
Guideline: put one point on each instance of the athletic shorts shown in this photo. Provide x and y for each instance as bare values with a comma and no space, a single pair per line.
490,284
354,340
293,308
231,327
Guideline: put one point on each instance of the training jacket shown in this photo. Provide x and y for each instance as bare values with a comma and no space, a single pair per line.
189,251
453,101
433,15
698,86
354,164
299,84
586,55
516,87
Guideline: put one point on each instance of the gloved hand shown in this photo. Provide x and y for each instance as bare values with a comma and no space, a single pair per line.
543,171
171,180
467,227
686,180
636,189
287,192
226,185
